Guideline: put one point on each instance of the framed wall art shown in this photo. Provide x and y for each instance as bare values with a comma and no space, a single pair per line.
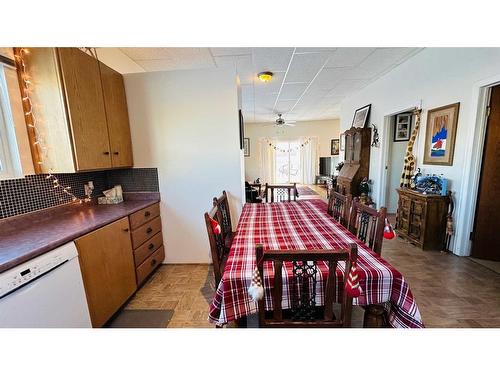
335,147
402,127
246,147
440,134
361,116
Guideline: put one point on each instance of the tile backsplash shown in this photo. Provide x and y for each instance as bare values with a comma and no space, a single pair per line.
35,192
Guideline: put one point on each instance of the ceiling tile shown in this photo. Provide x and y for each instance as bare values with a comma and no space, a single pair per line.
171,58
329,78
348,57
283,106
305,66
292,91
273,59
384,58
226,51
314,49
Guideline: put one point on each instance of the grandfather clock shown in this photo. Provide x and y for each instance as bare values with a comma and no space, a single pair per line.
357,160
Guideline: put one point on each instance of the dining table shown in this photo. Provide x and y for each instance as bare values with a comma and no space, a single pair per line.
305,224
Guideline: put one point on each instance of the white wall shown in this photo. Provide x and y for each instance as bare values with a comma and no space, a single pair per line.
325,130
185,123
437,76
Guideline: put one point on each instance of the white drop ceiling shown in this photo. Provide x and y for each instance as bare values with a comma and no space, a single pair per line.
308,83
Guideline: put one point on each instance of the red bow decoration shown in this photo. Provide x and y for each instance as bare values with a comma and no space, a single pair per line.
389,233
215,226
352,287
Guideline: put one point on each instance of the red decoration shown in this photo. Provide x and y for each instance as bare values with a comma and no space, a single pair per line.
389,233
352,287
215,226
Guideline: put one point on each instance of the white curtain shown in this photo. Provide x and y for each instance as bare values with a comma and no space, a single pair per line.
267,160
309,162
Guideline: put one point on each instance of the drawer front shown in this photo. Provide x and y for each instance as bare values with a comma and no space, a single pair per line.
143,216
150,264
145,232
148,248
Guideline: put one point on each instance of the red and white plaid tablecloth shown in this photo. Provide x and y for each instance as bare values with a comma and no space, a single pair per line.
305,225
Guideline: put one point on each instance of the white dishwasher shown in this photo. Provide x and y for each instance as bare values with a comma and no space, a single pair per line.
45,292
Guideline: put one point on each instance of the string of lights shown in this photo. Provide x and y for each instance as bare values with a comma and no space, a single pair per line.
295,148
31,122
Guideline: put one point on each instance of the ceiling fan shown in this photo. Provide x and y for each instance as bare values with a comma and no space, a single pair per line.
281,122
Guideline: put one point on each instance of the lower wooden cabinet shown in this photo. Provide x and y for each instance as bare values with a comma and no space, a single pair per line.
108,270
421,218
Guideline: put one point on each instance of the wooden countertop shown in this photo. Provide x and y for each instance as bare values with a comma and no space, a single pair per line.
27,236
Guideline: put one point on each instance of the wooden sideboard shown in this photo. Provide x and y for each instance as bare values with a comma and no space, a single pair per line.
357,160
421,218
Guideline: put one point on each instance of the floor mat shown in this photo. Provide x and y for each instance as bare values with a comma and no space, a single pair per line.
142,319
305,190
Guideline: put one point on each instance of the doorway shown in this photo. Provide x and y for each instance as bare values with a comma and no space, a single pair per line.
485,236
287,162
400,127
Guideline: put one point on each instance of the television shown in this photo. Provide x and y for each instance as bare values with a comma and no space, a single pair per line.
325,166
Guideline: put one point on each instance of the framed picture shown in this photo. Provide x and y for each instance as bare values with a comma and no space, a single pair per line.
361,116
246,146
402,127
335,147
342,142
440,134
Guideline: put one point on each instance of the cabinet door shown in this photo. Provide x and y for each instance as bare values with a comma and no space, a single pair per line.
85,104
107,264
349,147
356,146
115,102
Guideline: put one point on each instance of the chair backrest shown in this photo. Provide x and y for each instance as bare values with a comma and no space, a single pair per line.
223,214
280,193
367,224
304,312
339,206
217,248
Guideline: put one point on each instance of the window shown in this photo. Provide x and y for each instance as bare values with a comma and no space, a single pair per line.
10,164
287,162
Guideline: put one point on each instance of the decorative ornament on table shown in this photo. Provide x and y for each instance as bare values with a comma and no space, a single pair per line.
389,233
215,226
352,287
256,290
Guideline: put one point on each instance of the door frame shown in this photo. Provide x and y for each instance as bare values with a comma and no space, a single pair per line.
385,154
472,171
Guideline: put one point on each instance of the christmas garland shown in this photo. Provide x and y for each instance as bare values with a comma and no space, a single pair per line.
270,144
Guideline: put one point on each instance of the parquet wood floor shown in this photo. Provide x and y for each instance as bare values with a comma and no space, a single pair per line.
450,291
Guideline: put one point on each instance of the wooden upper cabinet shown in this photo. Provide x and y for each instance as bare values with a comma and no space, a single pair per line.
115,102
108,269
85,104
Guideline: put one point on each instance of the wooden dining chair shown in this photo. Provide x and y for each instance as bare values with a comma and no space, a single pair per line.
304,313
339,206
224,219
367,224
280,193
217,248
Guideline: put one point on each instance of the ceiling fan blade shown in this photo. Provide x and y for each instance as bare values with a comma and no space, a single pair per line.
289,124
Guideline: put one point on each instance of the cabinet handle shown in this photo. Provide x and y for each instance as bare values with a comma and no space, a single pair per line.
149,230
147,213
125,229
151,246
106,152
153,262
115,153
